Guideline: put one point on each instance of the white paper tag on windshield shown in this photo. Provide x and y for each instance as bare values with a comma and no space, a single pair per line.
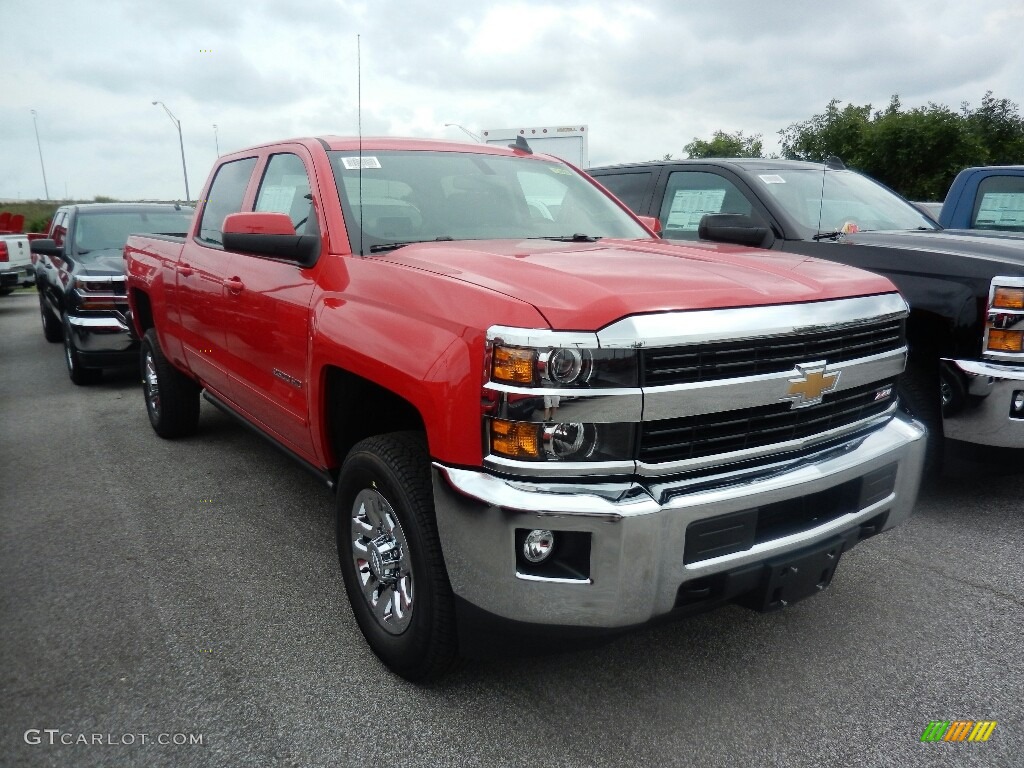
771,178
352,163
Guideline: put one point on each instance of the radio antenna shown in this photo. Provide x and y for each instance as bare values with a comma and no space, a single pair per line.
821,199
359,119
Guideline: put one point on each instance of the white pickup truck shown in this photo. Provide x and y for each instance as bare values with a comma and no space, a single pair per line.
15,263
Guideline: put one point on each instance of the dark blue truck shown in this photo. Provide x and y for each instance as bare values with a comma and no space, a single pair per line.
988,198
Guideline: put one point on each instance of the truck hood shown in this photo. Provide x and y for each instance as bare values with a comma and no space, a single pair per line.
953,242
585,286
108,261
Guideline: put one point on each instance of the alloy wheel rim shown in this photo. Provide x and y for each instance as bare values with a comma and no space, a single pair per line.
69,358
152,385
380,553
945,393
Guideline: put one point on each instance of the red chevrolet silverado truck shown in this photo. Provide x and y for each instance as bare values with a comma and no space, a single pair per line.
542,423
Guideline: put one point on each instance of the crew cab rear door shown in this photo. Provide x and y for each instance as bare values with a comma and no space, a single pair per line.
268,339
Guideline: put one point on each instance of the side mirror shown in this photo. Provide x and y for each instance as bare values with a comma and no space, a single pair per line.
652,223
734,228
269,234
46,246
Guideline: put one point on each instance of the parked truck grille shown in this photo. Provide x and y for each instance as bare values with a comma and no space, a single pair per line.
750,357
693,437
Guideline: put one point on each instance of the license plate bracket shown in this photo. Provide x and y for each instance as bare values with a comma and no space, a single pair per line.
796,575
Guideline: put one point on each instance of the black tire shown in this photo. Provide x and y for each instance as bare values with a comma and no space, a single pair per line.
172,398
52,329
920,396
78,374
388,477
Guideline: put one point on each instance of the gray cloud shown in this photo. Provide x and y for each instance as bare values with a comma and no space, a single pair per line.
647,77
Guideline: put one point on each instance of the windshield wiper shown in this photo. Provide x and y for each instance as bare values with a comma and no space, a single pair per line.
381,247
579,237
828,235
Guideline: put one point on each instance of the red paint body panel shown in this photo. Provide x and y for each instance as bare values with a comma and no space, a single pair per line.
263,333
258,223
586,286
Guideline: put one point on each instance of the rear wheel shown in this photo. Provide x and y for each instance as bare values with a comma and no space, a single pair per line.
391,557
79,374
51,323
172,398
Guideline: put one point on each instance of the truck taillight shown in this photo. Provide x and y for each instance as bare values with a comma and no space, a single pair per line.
1004,326
4,256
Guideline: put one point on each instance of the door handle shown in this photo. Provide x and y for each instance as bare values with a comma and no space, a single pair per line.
234,284
185,270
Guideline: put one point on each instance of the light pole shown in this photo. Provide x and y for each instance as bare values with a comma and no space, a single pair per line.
40,146
465,131
216,141
181,142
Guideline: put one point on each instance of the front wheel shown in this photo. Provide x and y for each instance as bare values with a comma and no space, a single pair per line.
391,557
79,374
172,398
921,396
52,330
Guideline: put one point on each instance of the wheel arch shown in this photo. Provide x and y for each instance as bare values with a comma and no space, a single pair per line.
355,408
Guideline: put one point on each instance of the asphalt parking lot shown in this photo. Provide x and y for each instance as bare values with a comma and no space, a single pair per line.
190,591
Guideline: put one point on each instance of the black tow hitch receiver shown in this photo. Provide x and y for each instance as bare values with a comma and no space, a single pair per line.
796,575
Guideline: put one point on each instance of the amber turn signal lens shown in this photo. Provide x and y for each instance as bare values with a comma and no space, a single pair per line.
1008,298
516,439
513,365
1005,341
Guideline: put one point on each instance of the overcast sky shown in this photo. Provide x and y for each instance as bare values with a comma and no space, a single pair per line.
645,77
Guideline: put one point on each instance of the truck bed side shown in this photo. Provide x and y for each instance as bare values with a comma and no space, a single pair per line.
151,264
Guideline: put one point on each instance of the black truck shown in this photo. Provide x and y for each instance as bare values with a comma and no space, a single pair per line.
79,271
965,377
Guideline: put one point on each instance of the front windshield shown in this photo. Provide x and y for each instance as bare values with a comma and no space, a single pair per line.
109,230
850,203
416,196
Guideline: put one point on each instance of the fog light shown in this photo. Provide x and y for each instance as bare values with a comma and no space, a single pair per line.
1018,402
538,546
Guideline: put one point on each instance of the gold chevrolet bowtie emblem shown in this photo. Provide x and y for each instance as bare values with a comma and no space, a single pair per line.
812,384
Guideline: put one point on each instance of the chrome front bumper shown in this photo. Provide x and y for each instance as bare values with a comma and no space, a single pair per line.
638,532
100,334
984,417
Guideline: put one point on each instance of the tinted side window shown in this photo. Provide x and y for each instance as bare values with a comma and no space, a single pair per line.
628,187
225,197
285,189
60,227
1000,204
690,195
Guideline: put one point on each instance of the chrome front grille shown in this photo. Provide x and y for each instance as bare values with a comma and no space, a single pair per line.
751,357
694,437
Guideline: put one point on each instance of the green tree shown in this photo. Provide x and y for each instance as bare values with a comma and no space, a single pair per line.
998,128
836,131
725,145
917,152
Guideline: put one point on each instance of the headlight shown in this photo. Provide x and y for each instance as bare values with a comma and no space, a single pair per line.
1004,326
564,367
94,284
562,441
1007,298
